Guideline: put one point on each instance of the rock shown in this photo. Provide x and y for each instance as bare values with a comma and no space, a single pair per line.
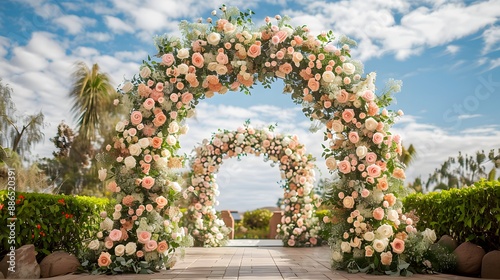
273,224
229,221
490,267
26,266
58,263
469,258
448,242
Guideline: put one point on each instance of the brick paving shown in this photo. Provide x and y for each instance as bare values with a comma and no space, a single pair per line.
259,263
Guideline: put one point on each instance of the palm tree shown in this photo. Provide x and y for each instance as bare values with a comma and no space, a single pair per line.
92,96
408,155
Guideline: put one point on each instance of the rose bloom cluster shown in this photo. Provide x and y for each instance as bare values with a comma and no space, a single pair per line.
299,226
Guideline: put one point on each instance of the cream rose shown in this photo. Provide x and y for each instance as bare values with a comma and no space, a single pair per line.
328,76
145,72
173,127
94,245
102,174
369,236
130,248
120,126
119,250
331,163
130,162
345,247
107,224
361,151
171,140
349,68
379,245
348,202
337,256
183,53
371,124
134,149
213,38
429,235
143,142
392,215
127,87
384,231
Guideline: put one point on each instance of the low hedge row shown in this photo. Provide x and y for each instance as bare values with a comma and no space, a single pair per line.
467,214
50,222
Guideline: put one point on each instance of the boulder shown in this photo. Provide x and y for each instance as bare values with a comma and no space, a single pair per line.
26,266
448,242
58,263
469,259
490,267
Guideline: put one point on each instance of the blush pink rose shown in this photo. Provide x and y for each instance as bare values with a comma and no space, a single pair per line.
378,213
168,59
136,117
148,182
377,138
371,157
373,170
348,115
161,201
254,50
386,258
369,95
149,103
344,166
162,247
144,237
353,137
115,235
197,60
186,97
398,246
151,246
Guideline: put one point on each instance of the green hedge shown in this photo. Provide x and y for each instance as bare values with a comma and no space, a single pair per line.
467,214
50,222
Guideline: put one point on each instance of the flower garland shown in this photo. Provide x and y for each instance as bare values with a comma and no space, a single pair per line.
299,225
229,53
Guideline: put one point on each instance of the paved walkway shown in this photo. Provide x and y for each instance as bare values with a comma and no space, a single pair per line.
254,263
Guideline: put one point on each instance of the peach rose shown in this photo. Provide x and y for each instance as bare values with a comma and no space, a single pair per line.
398,246
167,59
372,108
344,166
369,251
151,245
348,202
382,184
115,235
104,259
348,115
331,163
286,68
377,138
353,137
390,198
343,96
112,186
313,84
161,201
197,60
147,182
373,170
254,51
371,157
378,213
386,258
162,247
136,117
186,97
139,254
156,142
399,173
128,200
144,237
159,119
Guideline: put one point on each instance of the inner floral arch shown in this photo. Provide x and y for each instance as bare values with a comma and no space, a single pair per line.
299,226
230,53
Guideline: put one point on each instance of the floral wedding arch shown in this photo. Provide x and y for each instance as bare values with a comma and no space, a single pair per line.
229,53
299,225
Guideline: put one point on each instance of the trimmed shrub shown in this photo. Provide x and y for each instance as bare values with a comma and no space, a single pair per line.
467,214
50,222
257,218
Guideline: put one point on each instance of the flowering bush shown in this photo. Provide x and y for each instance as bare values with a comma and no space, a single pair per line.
299,224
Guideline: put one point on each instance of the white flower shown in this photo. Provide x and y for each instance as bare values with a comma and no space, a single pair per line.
371,124
145,72
392,215
120,126
130,248
345,247
361,151
429,235
288,152
384,231
213,38
171,140
288,30
127,87
337,126
99,235
130,162
175,186
119,250
107,224
183,68
337,256
135,149
94,245
102,174
117,215
143,142
183,53
166,153
369,236
349,68
328,76
173,127
379,245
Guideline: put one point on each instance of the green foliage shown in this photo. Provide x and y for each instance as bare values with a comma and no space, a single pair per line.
258,218
241,232
50,222
325,231
467,214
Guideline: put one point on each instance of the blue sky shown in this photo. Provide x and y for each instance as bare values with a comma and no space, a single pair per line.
447,54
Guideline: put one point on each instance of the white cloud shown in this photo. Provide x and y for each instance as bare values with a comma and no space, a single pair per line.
99,36
494,63
74,24
468,116
452,49
491,39
117,25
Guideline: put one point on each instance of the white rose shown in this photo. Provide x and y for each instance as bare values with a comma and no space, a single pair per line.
117,215
127,87
356,103
345,247
166,153
337,256
120,126
145,72
173,127
183,53
392,215
175,186
183,69
369,236
107,224
99,235
361,151
144,142
337,126
171,140
328,76
379,245
213,38
94,245
349,68
229,28
331,163
135,149
429,235
384,231
102,174
371,124
288,152
130,248
288,30
130,162
119,250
